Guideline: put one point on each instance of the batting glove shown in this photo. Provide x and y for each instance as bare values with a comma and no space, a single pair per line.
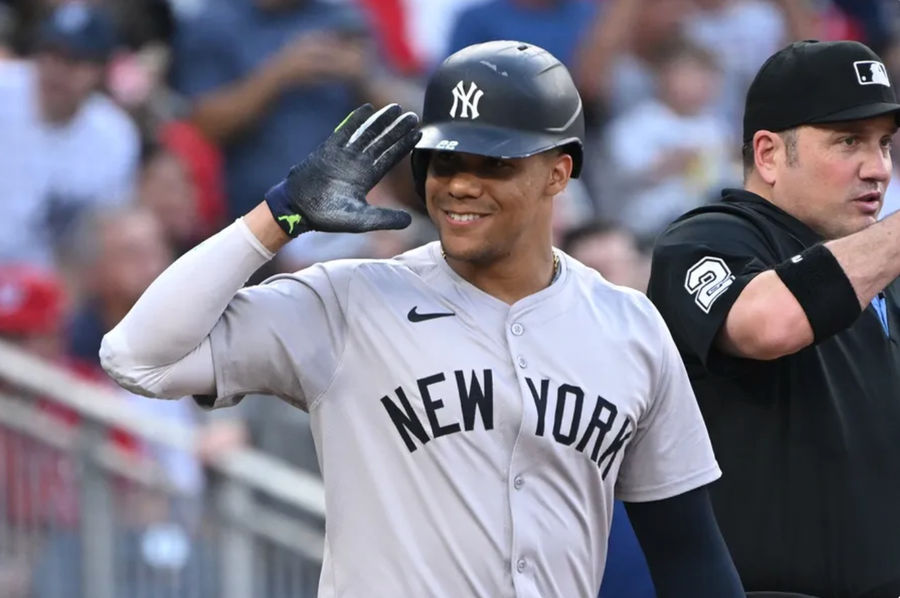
327,190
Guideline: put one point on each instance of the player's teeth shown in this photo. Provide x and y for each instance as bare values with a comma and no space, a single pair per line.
463,217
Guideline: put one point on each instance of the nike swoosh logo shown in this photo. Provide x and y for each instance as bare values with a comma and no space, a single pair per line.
415,316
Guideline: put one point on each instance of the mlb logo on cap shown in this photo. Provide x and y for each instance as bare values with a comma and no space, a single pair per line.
871,72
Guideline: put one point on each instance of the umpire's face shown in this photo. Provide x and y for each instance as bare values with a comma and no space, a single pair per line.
487,209
831,176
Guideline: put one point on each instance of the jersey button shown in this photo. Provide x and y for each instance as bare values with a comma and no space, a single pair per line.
520,565
517,329
518,482
522,363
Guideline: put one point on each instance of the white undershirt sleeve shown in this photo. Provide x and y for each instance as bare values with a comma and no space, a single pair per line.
161,347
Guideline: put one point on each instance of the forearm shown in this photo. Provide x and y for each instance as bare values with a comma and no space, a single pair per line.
870,258
685,551
178,311
228,111
768,321
607,36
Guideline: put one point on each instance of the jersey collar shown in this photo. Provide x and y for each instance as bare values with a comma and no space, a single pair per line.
798,229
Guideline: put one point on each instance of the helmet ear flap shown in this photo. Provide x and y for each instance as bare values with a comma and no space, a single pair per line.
577,152
419,161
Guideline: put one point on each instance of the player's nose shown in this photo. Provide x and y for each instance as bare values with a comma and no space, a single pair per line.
464,185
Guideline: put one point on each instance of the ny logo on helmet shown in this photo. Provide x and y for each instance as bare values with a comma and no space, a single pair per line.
467,101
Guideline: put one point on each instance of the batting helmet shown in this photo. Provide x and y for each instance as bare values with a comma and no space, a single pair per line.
503,99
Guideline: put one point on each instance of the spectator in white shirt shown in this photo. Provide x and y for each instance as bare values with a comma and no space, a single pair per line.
64,146
668,154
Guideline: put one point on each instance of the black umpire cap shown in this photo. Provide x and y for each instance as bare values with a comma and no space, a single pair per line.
79,30
812,82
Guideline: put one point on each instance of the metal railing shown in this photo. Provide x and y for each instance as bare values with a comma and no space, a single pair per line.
87,511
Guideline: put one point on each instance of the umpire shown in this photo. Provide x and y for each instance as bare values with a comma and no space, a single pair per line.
784,301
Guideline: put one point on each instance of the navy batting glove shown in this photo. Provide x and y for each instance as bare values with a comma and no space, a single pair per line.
327,190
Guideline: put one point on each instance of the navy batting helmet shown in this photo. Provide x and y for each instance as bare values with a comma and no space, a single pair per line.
503,99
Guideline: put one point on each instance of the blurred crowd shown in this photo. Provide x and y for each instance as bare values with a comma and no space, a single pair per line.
129,131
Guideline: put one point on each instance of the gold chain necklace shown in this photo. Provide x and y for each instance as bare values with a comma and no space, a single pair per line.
555,263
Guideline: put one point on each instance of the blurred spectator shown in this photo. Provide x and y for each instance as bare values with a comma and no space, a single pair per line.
174,184
875,20
7,26
429,24
65,147
390,23
32,302
741,34
614,63
166,189
555,25
267,78
610,250
118,254
203,163
138,74
38,488
669,154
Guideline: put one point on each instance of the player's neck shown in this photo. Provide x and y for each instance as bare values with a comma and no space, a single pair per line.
512,278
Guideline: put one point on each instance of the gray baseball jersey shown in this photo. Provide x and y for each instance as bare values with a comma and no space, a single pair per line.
468,447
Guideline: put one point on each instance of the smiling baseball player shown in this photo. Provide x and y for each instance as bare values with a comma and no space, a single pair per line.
478,402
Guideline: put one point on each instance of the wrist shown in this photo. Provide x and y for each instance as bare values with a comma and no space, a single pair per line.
262,223
284,213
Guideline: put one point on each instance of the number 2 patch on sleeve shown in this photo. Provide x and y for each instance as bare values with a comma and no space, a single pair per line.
707,280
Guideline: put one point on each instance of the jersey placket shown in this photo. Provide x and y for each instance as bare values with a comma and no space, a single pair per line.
521,557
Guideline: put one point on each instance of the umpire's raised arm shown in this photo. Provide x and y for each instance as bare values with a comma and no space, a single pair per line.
162,347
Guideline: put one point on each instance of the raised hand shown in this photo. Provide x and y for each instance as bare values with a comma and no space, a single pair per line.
327,190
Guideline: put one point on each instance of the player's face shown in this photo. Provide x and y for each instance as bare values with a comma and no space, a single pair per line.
486,209
65,83
836,182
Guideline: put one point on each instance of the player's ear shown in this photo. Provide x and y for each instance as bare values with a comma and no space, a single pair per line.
560,171
766,146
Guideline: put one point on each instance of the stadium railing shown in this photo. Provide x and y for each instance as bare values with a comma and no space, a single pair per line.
90,508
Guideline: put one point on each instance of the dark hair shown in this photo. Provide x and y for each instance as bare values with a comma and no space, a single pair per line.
789,136
678,47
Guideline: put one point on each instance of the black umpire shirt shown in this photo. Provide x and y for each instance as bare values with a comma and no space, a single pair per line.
809,444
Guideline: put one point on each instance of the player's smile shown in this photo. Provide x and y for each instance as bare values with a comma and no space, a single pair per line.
463,219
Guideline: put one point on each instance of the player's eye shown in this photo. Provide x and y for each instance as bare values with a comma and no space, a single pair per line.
887,142
850,140
497,165
443,163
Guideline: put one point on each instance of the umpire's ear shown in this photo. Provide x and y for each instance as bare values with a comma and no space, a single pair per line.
768,154
561,165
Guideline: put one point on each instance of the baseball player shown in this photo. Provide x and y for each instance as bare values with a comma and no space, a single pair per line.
785,303
476,402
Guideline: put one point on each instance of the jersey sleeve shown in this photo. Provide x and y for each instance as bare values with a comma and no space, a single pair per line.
700,266
284,337
671,452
